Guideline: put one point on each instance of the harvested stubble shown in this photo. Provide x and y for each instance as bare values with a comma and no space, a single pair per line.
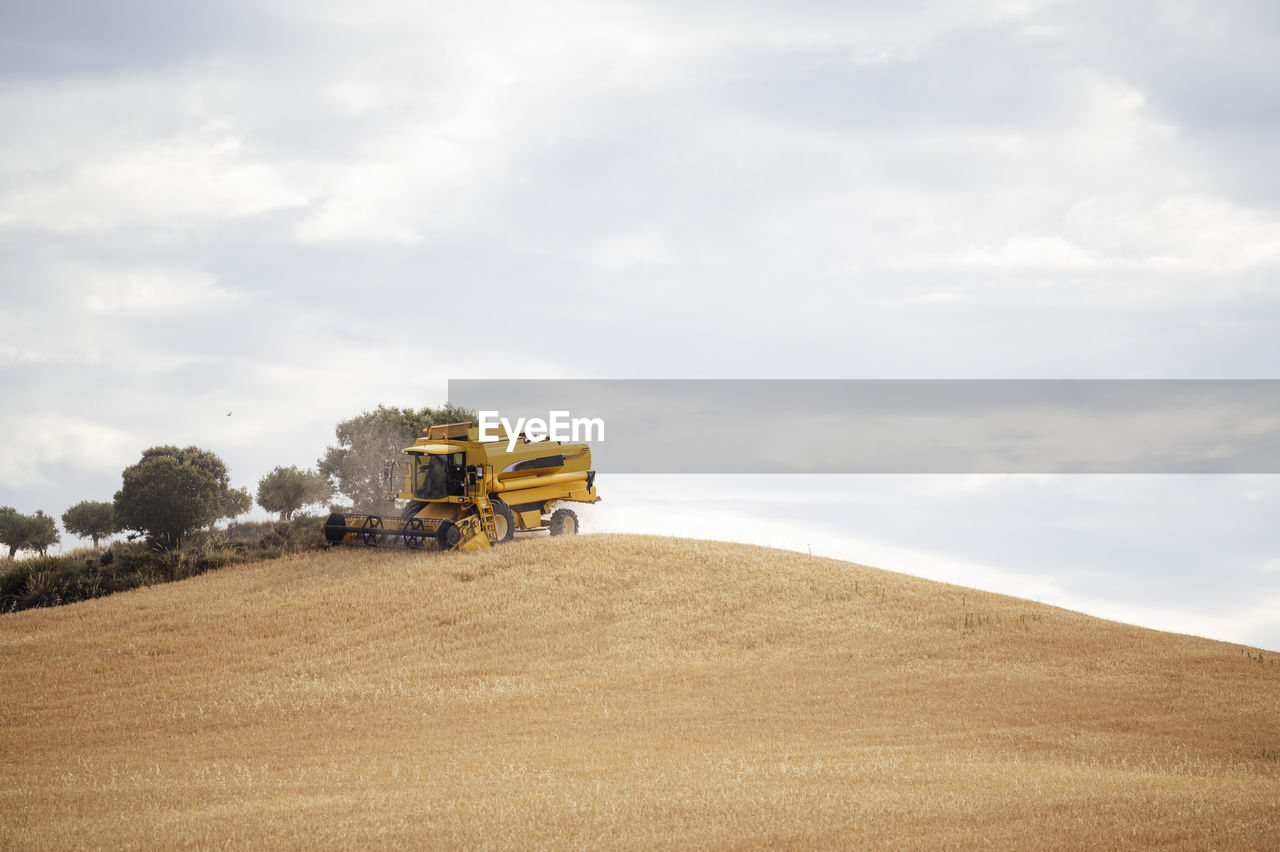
621,691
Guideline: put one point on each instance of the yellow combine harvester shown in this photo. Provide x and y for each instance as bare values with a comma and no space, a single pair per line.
465,494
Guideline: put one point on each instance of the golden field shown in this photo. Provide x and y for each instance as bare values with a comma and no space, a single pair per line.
621,691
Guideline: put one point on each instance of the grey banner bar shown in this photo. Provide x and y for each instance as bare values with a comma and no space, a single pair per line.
907,426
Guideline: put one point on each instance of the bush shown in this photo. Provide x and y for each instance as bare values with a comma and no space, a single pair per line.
55,580
302,533
44,581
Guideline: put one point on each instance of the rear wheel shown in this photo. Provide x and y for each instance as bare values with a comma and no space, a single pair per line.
564,522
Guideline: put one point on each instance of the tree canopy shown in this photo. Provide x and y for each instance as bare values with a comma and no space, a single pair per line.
235,502
37,532
170,492
288,489
90,519
11,532
357,466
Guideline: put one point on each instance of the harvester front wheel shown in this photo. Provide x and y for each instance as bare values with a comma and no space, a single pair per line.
448,535
564,522
503,520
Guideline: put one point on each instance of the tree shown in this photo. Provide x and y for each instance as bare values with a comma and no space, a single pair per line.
90,519
42,532
37,532
171,492
357,466
12,530
288,489
235,502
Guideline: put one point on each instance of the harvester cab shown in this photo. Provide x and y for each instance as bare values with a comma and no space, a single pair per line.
465,494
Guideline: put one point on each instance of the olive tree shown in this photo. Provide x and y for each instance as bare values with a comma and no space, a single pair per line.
357,466
235,502
37,532
11,531
90,519
171,492
288,489
42,532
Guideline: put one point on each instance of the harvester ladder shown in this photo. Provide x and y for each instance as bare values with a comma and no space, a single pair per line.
480,496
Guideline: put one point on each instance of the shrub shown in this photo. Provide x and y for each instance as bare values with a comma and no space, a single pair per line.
54,580
43,581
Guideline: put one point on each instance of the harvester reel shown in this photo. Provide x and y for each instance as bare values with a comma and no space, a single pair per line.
372,532
415,532
564,522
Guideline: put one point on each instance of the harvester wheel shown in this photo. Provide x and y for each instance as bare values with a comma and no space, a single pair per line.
448,535
334,529
564,522
503,520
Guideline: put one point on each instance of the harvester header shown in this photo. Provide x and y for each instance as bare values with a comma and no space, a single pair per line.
465,493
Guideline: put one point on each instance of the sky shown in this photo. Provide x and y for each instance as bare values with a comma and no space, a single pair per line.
235,224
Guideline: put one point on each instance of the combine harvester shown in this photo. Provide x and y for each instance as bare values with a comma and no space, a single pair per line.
465,494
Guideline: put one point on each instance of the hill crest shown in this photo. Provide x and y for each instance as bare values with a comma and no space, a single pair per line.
623,690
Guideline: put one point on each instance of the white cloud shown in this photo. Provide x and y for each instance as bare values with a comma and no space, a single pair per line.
1210,235
85,311
171,170
832,516
1028,252
145,291
43,446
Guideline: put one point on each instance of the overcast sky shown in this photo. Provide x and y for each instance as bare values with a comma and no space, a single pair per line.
295,211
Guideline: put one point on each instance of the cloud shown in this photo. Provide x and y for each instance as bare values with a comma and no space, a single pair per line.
63,38
1177,554
1029,252
43,448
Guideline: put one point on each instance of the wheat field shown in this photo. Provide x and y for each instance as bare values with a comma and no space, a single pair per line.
621,691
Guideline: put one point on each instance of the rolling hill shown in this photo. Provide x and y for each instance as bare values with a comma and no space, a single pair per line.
621,691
